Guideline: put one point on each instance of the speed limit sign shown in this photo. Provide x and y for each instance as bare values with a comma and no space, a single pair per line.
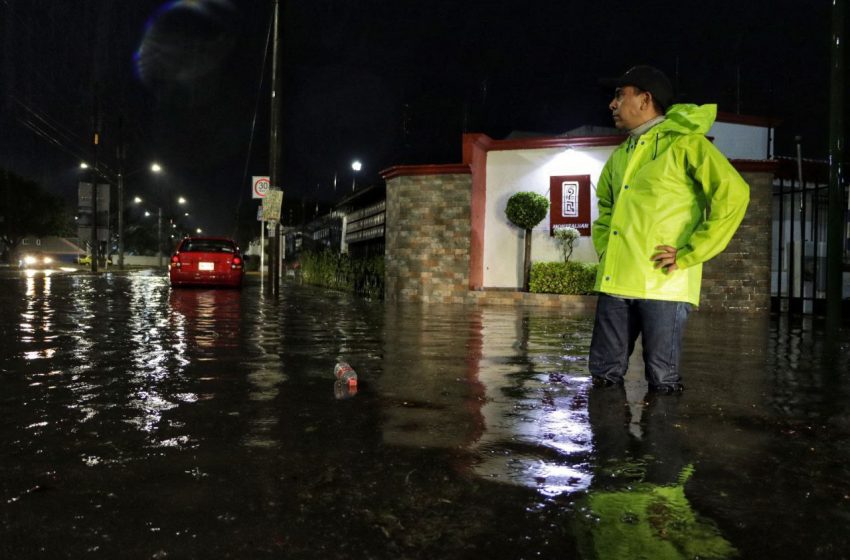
260,186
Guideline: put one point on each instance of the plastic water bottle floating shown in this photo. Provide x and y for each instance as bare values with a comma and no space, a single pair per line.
343,390
345,374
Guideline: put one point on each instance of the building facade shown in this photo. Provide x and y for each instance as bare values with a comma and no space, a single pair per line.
448,240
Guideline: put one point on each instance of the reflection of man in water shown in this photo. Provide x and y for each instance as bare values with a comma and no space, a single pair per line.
626,433
637,502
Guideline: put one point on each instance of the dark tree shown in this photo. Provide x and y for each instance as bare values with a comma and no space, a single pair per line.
27,209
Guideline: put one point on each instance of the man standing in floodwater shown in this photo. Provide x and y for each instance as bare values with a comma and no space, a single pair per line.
668,202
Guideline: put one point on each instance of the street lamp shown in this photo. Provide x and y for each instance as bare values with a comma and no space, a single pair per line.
356,166
180,200
154,168
95,174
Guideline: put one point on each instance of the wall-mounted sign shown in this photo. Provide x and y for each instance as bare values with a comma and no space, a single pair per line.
569,203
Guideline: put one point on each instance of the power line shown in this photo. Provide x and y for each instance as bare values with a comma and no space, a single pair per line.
253,125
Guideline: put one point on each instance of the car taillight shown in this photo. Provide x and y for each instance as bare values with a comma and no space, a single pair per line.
175,261
236,263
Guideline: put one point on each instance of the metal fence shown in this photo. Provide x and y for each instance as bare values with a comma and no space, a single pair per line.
798,264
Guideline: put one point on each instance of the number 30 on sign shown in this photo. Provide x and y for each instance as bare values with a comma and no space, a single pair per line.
260,186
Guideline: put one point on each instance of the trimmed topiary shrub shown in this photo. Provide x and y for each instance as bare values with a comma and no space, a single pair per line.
570,278
526,210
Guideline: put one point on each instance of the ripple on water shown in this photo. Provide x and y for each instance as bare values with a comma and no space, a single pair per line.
178,410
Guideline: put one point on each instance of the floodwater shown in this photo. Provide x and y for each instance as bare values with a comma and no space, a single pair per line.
142,422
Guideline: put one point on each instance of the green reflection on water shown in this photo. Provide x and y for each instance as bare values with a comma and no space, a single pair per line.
648,521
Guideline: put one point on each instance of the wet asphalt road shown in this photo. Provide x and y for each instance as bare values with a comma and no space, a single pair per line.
143,422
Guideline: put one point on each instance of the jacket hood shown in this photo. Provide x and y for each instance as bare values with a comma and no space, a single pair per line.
686,118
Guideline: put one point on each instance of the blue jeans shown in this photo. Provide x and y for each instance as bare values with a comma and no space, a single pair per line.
619,321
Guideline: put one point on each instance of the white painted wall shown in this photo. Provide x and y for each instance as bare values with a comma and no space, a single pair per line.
512,171
139,260
740,141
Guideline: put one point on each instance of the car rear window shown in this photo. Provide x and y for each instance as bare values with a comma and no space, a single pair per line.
207,246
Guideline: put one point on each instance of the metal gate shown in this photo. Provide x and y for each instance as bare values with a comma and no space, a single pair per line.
798,264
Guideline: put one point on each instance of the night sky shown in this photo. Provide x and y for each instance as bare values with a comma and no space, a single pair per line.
387,82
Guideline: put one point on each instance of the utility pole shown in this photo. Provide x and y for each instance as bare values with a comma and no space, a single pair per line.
8,62
274,155
159,233
99,50
837,136
122,152
95,244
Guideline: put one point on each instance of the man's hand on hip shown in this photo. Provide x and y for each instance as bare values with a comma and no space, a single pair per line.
666,259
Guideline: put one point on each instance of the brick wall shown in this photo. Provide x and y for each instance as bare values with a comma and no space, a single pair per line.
428,238
738,279
428,235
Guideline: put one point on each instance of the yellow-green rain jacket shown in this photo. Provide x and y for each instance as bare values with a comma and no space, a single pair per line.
670,186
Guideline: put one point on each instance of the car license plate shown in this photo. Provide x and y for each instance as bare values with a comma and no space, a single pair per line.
206,266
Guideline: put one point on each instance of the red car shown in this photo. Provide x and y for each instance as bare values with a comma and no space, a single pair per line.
206,261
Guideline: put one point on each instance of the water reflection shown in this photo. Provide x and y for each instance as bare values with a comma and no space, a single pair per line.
537,430
210,416
36,323
809,365
515,400
637,506
430,383
265,375
158,354
213,317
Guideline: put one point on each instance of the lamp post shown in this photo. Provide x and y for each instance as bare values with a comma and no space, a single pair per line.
93,236
154,168
355,166
120,220
159,235
93,173
180,200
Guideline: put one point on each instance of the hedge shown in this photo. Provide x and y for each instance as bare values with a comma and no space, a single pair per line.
341,272
571,278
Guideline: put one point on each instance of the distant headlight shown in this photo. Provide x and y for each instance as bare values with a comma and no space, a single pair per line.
47,260
29,259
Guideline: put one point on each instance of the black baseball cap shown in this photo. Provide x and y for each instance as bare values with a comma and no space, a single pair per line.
647,78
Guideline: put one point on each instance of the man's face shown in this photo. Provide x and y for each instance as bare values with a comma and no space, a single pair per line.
628,108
